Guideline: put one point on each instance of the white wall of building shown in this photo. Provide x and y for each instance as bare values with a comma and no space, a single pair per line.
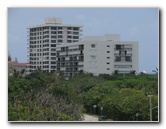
95,59
100,59
99,51
41,35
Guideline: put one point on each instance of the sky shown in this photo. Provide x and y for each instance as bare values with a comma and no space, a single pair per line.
133,24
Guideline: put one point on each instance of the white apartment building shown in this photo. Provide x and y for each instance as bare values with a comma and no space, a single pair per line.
42,41
70,58
56,46
98,55
107,54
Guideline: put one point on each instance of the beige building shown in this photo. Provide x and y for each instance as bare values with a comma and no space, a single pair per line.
18,67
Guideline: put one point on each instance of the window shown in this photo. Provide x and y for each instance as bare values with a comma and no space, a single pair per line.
75,37
81,58
59,32
71,58
75,58
108,51
75,40
53,58
128,58
118,47
69,41
60,36
108,57
53,28
75,28
53,54
53,49
69,36
53,41
117,59
46,27
93,57
53,32
108,68
53,45
59,41
108,62
76,33
62,49
53,67
54,37
46,41
119,52
81,52
92,45
81,47
53,62
108,45
59,28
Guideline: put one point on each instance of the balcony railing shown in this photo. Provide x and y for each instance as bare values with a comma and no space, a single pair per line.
118,49
122,54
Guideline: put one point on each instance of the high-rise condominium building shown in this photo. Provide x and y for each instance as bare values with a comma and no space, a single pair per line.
54,46
43,39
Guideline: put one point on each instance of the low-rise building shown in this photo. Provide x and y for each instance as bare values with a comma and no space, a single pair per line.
98,55
14,66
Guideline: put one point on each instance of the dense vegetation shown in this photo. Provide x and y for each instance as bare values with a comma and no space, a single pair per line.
49,97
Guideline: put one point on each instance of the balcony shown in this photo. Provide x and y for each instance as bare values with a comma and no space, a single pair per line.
69,30
46,33
128,49
120,49
46,29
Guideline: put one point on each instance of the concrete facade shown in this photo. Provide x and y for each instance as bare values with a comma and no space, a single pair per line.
101,55
109,54
42,41
70,58
55,46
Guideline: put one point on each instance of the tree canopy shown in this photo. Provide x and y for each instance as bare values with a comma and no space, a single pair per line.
44,96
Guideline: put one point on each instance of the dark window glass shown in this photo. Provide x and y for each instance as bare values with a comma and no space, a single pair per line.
92,45
53,45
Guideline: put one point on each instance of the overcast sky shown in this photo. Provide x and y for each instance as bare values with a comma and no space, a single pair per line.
133,24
